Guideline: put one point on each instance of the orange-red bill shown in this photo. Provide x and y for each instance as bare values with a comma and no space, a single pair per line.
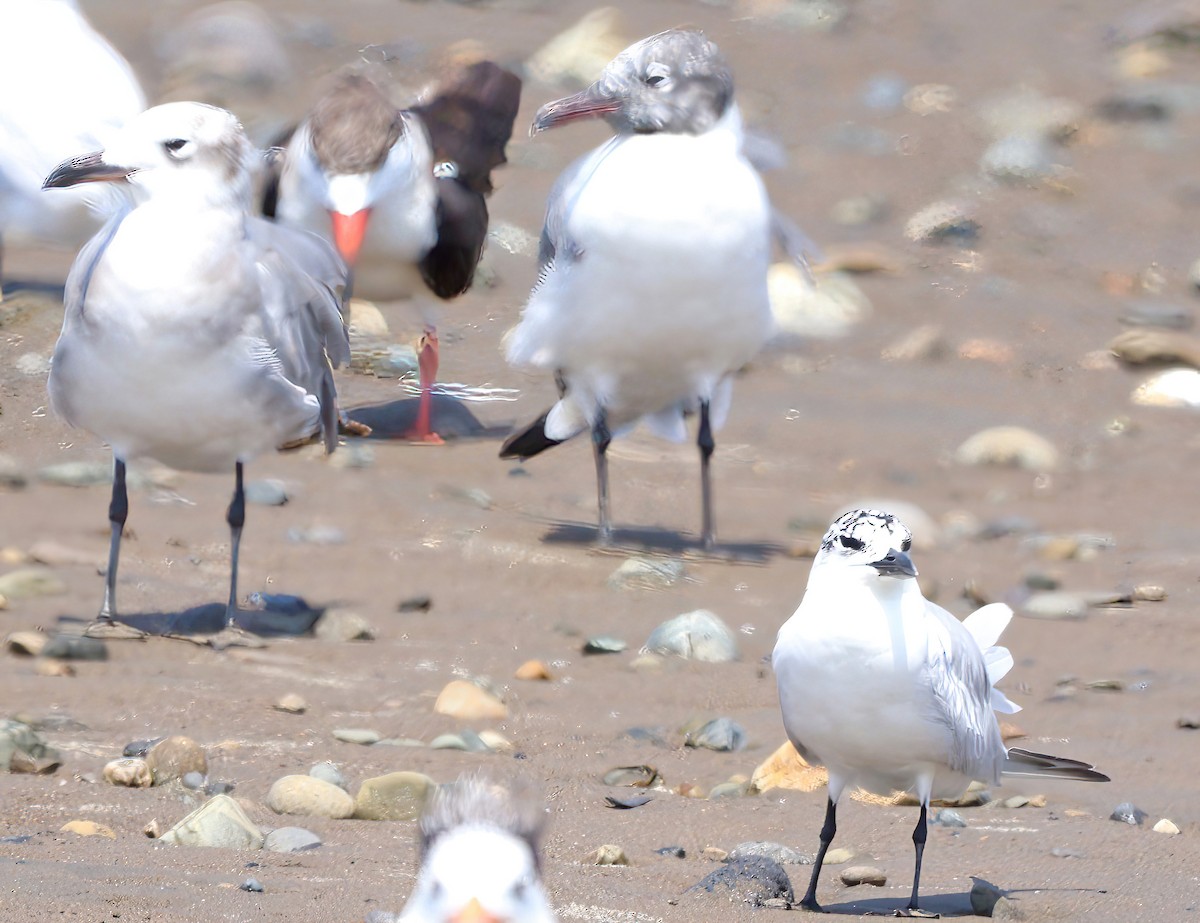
474,913
348,233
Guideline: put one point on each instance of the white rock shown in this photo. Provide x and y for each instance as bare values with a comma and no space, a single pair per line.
1172,388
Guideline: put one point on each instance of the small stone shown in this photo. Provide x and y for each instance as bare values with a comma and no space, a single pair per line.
153,830
1018,158
698,635
1188,721
1172,388
174,757
1055,605
291,839
140,748
647,574
415,604
22,749
1066,852
930,98
291,703
863,875
1128,813
830,307
130,772
578,54
53,668
533,670
1151,346
352,455
270,492
87,828
721,734
309,796
34,365
674,852
363,736
29,582
1148,592
328,772
714,854
839,856
366,320
603,644
64,646
317,535
776,852
251,884
494,740
924,344
448,742
395,796
948,817
787,769
942,221
1166,826
341,625
729,790
1010,446
859,210
983,897
193,780
12,475
1016,801
27,643
751,879
635,776
1157,314
984,350
468,702
219,822
56,554
609,854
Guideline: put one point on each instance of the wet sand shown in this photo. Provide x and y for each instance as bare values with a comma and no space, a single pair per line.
815,426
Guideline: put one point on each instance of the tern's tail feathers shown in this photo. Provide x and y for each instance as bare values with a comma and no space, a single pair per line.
529,441
1027,763
988,623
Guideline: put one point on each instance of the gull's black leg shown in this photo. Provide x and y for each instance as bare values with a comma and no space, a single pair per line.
828,829
601,438
236,519
920,835
118,512
705,441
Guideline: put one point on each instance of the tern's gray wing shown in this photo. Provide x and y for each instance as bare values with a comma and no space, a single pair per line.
301,280
962,696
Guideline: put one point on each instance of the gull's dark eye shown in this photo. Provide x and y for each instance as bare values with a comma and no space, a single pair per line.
175,145
906,545
656,80
854,544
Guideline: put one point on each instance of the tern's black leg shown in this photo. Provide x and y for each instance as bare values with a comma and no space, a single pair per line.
920,835
828,829
705,441
236,519
118,512
601,438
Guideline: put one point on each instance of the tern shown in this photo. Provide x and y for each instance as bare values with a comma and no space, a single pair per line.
891,692
480,858
194,333
652,286
402,192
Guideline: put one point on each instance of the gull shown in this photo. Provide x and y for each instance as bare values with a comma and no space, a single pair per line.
66,88
652,286
194,333
890,692
480,861
402,192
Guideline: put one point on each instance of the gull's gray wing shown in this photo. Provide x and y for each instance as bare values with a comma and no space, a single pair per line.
301,280
962,696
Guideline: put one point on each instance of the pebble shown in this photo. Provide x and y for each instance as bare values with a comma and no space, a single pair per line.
492,740
22,749
647,574
675,852
317,535
309,796
1166,826
64,646
12,475
698,635
948,817
269,492
984,895
1067,852
533,670
786,769
395,796
578,54
1188,721
923,344
1153,346
510,237
1018,158
55,554
193,780
855,211
751,879
53,668
28,582
363,736
291,839
366,320
863,875
100,473
1012,446
636,776
942,221
608,854
352,455
884,92
828,309
327,771
776,852
468,702
342,625
714,854
383,360
1172,388
27,643
721,734
839,856
415,604
1148,592
1007,909
291,703
34,365
730,790
603,644
219,822
174,757
251,884
1157,314
87,828
1128,813
449,742
130,772
1026,112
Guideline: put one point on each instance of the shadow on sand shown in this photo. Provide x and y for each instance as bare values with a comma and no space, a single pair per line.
284,621
652,540
452,419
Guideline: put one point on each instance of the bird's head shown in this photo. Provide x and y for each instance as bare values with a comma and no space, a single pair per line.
676,81
868,539
184,150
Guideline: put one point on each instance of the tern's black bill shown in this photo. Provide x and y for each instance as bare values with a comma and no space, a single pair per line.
90,168
895,564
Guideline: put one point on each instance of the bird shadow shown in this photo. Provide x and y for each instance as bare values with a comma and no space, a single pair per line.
944,905
452,419
286,620
652,540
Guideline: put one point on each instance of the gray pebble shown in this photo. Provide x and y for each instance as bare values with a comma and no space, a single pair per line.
1055,605
984,895
1146,313
675,852
698,635
353,455
328,772
75,647
948,817
647,574
140,748
729,790
753,879
29,582
269,492
1066,852
855,211
884,92
343,625
776,852
317,535
251,884
12,475
722,734
1018,158
448,742
291,839
1128,813
364,736
193,780
604,644
942,221
33,364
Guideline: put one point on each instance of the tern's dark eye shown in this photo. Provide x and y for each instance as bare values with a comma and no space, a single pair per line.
906,545
854,544
656,80
175,145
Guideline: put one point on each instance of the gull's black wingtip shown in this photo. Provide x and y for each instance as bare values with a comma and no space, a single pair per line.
529,441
